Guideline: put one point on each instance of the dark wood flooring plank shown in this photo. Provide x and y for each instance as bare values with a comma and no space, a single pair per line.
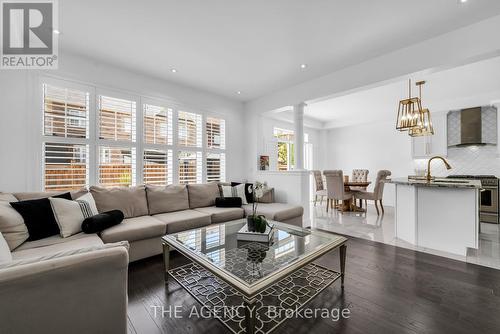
388,290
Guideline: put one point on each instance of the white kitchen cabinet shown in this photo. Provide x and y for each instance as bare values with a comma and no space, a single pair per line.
427,146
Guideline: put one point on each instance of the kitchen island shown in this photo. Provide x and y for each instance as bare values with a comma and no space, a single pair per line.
441,214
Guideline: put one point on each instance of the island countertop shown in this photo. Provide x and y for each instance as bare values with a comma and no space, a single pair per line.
438,182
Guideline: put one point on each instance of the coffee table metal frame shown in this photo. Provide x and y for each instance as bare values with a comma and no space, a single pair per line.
249,291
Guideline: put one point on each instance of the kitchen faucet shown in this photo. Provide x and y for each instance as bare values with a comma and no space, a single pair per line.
429,177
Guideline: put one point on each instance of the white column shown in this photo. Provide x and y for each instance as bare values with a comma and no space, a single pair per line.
298,121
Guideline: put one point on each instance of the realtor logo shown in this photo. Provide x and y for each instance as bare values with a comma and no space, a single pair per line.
28,34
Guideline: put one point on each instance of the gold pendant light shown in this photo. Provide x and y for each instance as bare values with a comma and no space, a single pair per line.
424,128
410,113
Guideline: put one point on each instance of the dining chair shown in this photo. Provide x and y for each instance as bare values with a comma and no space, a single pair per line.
359,175
335,188
319,187
378,191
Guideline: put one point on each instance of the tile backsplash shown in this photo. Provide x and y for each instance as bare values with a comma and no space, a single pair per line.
472,160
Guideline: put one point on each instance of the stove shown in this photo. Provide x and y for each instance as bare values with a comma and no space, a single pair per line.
488,206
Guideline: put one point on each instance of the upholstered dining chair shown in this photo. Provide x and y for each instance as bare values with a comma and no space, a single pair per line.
359,175
377,193
335,188
319,187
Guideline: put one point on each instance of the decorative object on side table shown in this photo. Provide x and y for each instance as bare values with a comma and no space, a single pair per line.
257,223
264,162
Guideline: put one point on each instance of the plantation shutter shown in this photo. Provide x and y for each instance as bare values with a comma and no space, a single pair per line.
190,167
216,167
116,166
66,166
189,129
66,112
216,133
117,119
157,125
157,167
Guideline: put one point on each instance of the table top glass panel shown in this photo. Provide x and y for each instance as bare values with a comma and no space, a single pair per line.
217,245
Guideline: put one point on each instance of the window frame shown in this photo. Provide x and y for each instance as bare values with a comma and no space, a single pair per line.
94,143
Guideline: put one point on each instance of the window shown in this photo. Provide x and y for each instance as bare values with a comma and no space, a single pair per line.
216,133
116,119
116,166
157,167
189,128
66,131
286,149
66,166
189,167
66,112
157,125
286,158
93,136
216,165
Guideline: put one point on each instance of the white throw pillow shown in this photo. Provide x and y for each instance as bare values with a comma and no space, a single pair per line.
5,254
236,191
70,215
90,200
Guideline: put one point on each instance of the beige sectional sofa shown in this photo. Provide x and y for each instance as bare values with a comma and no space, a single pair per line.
83,278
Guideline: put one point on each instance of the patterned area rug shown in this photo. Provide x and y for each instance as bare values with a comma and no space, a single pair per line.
274,305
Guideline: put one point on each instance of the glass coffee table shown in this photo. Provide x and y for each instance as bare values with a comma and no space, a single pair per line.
253,278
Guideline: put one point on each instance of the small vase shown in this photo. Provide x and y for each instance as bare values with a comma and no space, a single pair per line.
251,223
260,225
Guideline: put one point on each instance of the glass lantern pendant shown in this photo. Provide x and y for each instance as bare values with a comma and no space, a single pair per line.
425,128
410,113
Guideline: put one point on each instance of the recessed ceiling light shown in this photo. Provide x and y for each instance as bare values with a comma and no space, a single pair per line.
173,70
55,31
302,66
462,1
238,92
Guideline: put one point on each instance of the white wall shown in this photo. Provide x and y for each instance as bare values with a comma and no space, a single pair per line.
19,108
372,146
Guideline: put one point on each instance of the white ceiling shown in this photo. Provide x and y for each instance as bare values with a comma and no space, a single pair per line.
256,47
460,87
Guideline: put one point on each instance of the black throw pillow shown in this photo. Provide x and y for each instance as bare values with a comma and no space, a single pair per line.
39,217
248,194
228,202
102,221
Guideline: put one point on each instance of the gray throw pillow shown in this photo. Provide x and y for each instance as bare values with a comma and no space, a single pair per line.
12,224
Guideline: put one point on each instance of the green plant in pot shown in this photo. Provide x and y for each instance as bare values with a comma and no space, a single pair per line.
255,222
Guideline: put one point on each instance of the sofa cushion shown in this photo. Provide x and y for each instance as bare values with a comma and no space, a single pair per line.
46,254
183,220
38,216
136,228
167,199
201,195
5,255
24,196
12,224
131,201
276,211
55,244
70,214
235,191
220,215
102,221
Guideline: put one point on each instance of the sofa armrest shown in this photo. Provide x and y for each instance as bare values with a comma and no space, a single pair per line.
81,293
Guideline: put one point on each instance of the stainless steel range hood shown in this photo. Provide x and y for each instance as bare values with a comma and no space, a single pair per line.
472,126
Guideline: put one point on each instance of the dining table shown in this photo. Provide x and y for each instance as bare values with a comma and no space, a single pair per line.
350,204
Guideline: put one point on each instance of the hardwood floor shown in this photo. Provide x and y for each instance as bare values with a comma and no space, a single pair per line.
387,289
